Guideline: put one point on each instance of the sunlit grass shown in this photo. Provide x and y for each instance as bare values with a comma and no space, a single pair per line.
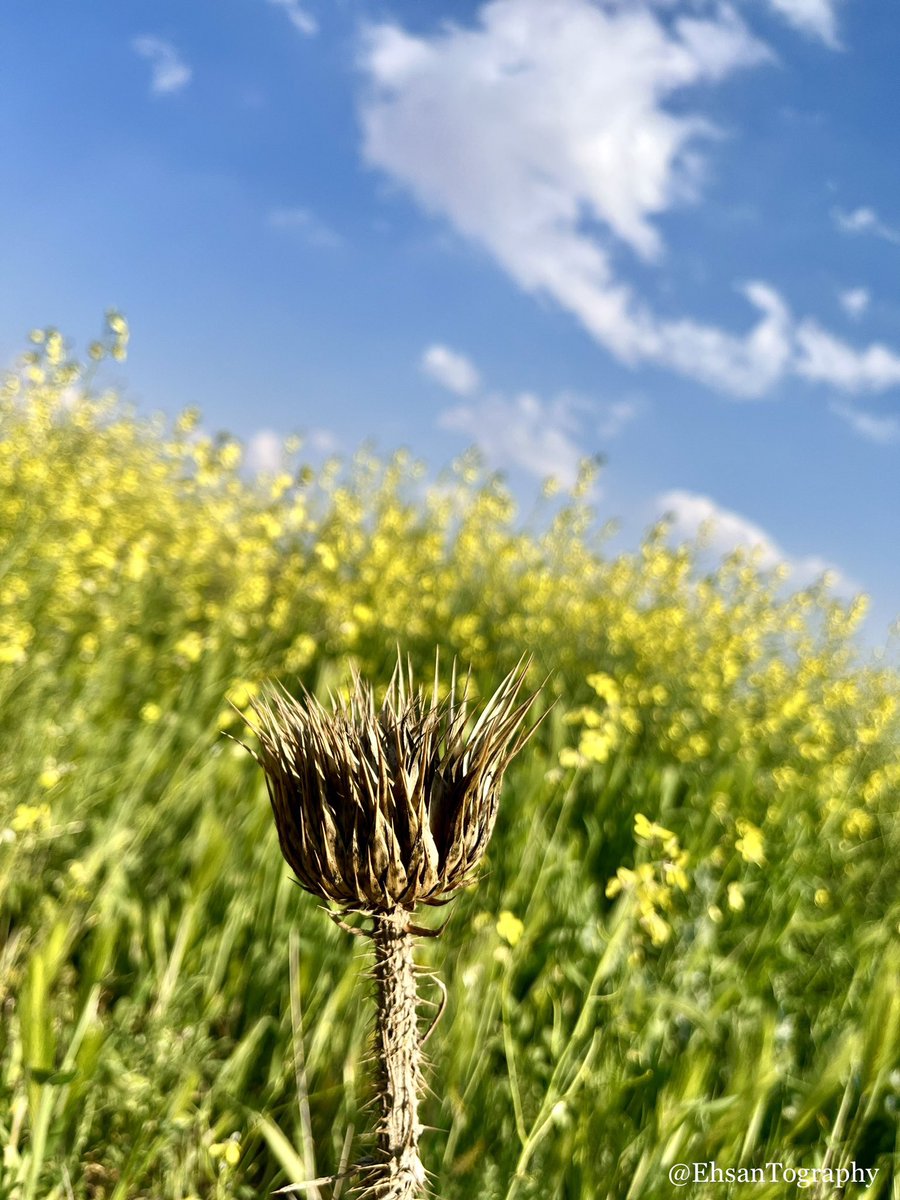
685,945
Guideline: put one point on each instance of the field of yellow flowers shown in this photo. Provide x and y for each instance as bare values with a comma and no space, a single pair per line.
685,948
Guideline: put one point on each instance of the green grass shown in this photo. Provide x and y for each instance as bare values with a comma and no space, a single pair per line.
148,1015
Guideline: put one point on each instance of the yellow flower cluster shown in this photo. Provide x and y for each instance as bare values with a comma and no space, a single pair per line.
28,817
729,678
653,884
141,549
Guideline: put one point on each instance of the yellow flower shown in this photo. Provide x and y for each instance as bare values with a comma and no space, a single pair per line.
230,455
88,647
50,776
605,687
735,897
151,713
623,878
509,927
674,872
301,653
28,817
750,844
326,556
187,421
229,1151
190,646
656,927
643,828
242,692
596,745
859,824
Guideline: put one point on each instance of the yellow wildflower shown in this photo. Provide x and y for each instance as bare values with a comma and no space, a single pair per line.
509,927
605,687
190,646
29,817
735,897
750,844
859,824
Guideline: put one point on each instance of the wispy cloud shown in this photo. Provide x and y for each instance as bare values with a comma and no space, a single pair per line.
866,220
880,429
855,301
817,18
540,437
546,114
169,72
692,515
824,358
322,441
451,369
543,437
267,452
299,17
615,416
303,221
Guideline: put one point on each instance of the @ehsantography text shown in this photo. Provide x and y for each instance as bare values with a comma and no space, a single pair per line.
682,1174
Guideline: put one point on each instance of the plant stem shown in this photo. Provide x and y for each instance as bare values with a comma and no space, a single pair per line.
399,1174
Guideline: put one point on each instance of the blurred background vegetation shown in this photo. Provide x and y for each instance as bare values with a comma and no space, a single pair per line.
686,944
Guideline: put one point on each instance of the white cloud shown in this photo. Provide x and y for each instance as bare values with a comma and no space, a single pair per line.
815,17
322,441
855,301
692,515
571,121
883,430
305,222
298,16
451,370
615,416
538,436
866,220
543,134
265,451
543,437
170,73
823,358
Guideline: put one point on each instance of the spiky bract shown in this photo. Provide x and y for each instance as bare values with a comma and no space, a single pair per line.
380,807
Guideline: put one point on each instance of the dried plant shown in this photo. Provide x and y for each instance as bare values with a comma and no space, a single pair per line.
380,809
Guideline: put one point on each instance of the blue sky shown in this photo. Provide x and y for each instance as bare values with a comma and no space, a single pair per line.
667,232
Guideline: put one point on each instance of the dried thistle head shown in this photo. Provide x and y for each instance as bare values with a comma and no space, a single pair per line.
385,807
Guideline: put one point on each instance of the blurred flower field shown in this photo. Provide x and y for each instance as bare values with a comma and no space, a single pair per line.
686,944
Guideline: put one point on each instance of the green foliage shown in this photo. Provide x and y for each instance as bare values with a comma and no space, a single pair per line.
685,946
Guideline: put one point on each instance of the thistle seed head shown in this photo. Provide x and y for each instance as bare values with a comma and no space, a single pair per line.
385,807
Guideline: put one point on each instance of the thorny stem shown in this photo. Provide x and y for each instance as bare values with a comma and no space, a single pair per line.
399,1174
